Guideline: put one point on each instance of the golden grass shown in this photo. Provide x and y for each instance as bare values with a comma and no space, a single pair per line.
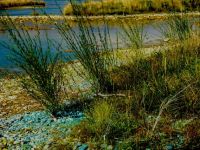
5,4
132,6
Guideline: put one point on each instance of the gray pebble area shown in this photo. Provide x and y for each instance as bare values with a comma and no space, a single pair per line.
30,130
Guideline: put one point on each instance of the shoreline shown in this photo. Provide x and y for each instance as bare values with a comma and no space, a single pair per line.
137,17
24,7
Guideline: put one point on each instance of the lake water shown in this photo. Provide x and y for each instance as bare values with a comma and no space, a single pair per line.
153,36
52,7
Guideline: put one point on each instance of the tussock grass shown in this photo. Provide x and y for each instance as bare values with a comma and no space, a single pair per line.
108,124
122,7
163,73
93,48
133,34
177,28
43,78
5,4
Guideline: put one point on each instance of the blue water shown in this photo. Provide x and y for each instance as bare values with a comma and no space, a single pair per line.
54,7
115,31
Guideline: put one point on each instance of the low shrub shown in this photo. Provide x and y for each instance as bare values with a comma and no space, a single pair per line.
192,135
105,123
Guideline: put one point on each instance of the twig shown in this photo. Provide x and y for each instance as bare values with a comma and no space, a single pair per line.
165,104
109,95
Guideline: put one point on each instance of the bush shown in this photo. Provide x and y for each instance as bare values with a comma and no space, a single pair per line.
163,74
42,69
92,47
105,123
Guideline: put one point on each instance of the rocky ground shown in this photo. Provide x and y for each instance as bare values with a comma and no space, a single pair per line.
14,100
35,129
111,18
23,121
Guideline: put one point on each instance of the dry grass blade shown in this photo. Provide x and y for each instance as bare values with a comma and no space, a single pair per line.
164,106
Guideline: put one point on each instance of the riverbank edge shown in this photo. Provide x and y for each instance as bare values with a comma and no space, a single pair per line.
138,17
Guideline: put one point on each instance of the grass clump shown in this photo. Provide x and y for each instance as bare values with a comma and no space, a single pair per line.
177,28
5,4
123,7
42,78
163,74
134,34
93,48
104,124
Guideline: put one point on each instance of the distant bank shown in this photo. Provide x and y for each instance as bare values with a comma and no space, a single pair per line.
138,17
8,4
129,7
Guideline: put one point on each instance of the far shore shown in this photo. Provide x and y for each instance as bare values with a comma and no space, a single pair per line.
136,17
4,5
25,7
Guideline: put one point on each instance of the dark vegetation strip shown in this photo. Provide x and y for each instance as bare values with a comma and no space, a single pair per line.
11,4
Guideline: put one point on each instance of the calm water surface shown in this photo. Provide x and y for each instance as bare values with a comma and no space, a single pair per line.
52,7
153,36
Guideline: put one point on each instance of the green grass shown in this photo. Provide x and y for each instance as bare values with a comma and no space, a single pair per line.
155,96
124,7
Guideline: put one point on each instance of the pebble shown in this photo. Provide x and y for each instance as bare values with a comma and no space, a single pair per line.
33,129
83,147
169,147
